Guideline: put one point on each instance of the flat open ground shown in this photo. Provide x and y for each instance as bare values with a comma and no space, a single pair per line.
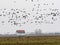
43,40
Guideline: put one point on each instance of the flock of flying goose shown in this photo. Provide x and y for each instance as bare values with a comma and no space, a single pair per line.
37,15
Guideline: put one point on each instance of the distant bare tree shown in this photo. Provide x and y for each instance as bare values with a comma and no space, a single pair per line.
38,31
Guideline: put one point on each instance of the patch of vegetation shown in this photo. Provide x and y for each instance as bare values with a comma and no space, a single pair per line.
43,40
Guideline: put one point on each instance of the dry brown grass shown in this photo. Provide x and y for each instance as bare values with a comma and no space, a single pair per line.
43,40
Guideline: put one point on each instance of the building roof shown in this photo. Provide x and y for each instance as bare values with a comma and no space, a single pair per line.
20,31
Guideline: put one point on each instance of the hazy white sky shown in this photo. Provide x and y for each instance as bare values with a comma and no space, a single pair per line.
20,4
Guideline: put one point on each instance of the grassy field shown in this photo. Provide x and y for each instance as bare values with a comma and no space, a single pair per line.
43,40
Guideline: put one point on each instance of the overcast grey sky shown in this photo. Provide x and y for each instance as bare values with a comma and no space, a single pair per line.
21,4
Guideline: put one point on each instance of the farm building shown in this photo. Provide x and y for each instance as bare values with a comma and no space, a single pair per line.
20,32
